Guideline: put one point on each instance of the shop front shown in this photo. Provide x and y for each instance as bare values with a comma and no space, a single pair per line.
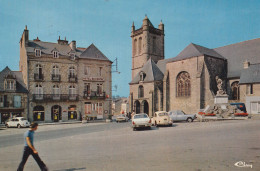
56,114
38,113
72,112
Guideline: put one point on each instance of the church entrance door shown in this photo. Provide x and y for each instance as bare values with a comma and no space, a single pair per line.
146,107
137,106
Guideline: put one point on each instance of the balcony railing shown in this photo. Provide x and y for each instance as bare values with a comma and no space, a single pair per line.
94,95
55,77
73,78
55,97
38,77
13,104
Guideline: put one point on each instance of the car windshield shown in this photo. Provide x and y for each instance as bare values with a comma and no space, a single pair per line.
163,114
140,116
23,119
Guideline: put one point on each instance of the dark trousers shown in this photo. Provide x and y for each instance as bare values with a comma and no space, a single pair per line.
26,153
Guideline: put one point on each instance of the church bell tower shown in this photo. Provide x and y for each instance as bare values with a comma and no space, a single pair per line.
147,42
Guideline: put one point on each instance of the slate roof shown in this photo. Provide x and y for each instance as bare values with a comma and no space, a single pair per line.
20,86
250,75
238,53
92,52
153,73
193,50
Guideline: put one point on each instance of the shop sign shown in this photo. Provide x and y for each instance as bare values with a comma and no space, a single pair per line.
93,79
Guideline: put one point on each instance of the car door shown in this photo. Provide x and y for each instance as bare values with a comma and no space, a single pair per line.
174,115
12,123
179,115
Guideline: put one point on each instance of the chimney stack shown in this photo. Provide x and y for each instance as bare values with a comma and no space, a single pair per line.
246,64
62,42
73,45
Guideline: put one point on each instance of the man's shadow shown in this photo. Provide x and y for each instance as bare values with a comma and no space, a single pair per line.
72,169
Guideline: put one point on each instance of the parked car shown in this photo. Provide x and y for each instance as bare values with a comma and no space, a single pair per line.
242,107
17,122
161,118
178,115
141,120
122,118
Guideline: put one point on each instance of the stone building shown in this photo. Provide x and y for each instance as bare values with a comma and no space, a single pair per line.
188,81
13,95
65,82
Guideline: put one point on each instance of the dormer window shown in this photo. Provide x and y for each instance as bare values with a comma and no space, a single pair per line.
72,56
55,54
9,84
37,52
142,76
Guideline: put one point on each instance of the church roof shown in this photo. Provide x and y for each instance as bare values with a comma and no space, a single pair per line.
193,50
250,75
92,52
20,86
152,72
237,53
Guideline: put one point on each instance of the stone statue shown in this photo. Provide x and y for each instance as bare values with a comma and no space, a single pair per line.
220,91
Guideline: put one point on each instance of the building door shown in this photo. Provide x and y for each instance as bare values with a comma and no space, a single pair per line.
137,106
38,113
146,107
56,113
72,112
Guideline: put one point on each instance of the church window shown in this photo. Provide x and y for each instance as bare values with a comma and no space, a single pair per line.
135,44
140,45
235,90
249,89
141,91
154,44
183,85
142,76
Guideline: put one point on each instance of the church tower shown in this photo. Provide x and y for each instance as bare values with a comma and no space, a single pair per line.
147,42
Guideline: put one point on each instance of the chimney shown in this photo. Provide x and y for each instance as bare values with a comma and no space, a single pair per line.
37,39
246,64
26,36
62,42
161,26
73,45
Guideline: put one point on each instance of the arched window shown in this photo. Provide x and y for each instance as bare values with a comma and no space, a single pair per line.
141,91
183,85
134,48
72,72
154,44
56,92
72,92
140,45
235,90
55,70
38,91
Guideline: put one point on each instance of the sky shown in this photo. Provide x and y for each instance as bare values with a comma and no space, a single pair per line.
107,24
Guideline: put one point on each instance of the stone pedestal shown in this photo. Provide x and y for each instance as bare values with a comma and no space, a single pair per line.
223,99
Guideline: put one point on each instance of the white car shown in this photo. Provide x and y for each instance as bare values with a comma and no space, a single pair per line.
161,118
122,118
141,120
17,122
178,115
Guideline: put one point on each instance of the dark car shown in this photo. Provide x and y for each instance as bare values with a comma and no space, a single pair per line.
240,106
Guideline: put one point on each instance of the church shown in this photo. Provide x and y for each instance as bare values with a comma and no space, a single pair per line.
188,81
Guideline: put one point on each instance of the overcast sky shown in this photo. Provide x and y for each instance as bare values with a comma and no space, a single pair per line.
107,24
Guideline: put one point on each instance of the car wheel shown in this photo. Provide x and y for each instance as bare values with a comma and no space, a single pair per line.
155,123
19,126
189,120
133,129
6,125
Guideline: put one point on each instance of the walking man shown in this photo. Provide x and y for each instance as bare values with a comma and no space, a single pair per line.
30,150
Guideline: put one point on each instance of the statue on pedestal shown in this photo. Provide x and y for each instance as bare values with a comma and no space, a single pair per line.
220,91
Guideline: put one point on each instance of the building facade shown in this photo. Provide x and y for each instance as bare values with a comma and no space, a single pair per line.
64,82
13,95
188,81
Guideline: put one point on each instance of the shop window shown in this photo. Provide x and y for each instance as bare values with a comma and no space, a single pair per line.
72,112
